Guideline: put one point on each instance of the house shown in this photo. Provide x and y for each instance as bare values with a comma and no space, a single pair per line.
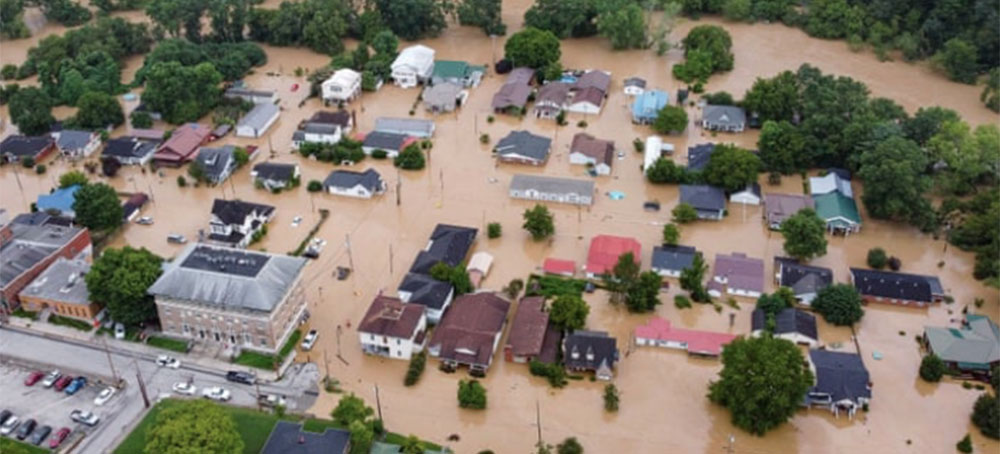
234,222
130,150
791,324
470,332
634,86
514,93
414,65
971,349
389,142
310,132
805,281
443,97
750,195
155,135
216,163
647,106
448,244
182,145
457,72
586,101
829,183
231,298
839,211
551,99
669,261
552,189
343,86
131,207
251,95
479,267
591,351
658,332
290,438
256,122
708,201
842,382
523,147
364,185
61,289
30,243
529,330
420,289
654,150
595,78
341,118
723,118
559,267
393,329
893,288
699,155
412,127
593,152
605,250
739,274
16,148
76,144
59,202
274,175
778,207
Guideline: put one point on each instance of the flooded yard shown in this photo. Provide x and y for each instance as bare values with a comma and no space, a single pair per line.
663,407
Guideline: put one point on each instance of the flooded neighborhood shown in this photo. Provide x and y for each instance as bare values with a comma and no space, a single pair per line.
663,403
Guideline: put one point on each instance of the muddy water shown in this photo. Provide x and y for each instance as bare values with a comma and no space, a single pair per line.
462,185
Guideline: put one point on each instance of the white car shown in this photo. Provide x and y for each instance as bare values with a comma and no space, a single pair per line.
167,361
145,220
310,340
10,425
84,417
51,378
296,221
119,331
216,393
185,389
105,395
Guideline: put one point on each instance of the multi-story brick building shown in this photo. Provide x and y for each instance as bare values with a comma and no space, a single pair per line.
61,288
232,298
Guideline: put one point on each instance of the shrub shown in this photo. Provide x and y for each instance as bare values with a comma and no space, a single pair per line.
379,154
27,162
554,373
181,181
484,138
684,213
494,230
489,119
894,263
561,118
411,158
682,302
416,369
986,415
471,395
40,169
8,72
611,397
638,145
314,186
581,123
877,258
964,445
932,368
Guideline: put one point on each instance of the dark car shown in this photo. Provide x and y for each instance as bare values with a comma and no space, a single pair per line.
651,205
26,428
39,436
63,382
240,377
58,438
4,415
33,378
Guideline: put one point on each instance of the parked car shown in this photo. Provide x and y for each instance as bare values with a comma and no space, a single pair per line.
240,377
217,393
84,417
58,438
33,378
310,340
119,331
105,395
51,378
271,400
77,384
9,425
167,361
185,388
62,382
26,428
39,436
4,415
651,205
145,220
176,238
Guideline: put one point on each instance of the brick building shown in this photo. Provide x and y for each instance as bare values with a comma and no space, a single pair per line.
61,288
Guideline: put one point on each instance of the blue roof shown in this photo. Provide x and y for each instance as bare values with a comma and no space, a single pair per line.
60,199
648,104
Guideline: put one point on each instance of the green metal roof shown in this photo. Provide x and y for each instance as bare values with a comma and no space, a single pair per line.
835,207
454,69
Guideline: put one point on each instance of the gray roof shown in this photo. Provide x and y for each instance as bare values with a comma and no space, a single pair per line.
426,291
976,343
370,179
385,140
888,284
724,115
789,320
511,94
840,375
229,278
289,438
62,281
320,128
703,197
240,92
215,161
602,347
414,126
29,245
635,82
70,139
259,115
699,155
802,278
236,211
274,171
552,185
673,257
442,94
524,143
596,78
521,74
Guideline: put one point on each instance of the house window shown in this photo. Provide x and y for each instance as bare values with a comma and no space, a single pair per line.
399,342
166,311
187,328
263,342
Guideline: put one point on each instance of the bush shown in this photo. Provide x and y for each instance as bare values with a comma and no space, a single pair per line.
877,258
416,368
638,145
471,395
569,446
964,445
684,213
181,181
484,138
27,162
554,373
894,263
494,230
682,302
611,397
489,119
986,415
314,186
41,169
932,368
581,123
8,72
411,158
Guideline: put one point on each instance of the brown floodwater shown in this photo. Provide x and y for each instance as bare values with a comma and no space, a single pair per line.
663,408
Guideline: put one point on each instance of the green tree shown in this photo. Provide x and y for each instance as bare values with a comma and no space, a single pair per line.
991,92
457,276
569,311
624,24
413,19
314,186
622,276
895,181
805,235
385,43
471,395
772,304
484,14
564,18
494,230
72,178
782,147
643,294
362,436
533,48
932,368
762,382
670,119
569,446
684,213
12,20
707,45
141,119
241,156
31,111
693,277
986,415
664,170
964,445
927,122
411,158
958,60
731,168
119,279
538,222
877,258
193,426
411,445
182,93
737,10
97,207
671,234
415,369
98,110
611,397
351,408
840,304
775,99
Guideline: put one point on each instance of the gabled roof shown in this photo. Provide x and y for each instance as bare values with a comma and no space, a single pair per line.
442,93
346,179
522,75
527,330
524,143
215,161
60,200
418,57
837,208
480,261
511,94
697,342
703,197
782,206
391,317
259,116
676,258
649,103
750,189
552,185
598,79
559,266
468,330
801,278
239,92
598,344
320,128
129,147
635,82
289,438
449,244
340,117
389,141
183,142
888,284
605,250
787,321
274,171
21,146
831,182
425,290
975,344
236,211
740,271
724,115
699,155
840,375
588,145
414,126
33,239
344,77
454,69
553,92
71,139
589,95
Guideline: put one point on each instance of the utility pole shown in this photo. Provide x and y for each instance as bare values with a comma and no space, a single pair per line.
339,330
142,384
111,364
378,404
538,421
350,258
399,188
390,259
257,386
731,448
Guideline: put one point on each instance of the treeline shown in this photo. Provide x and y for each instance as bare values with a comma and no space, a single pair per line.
623,22
65,12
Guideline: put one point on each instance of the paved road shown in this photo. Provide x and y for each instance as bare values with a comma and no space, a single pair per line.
299,386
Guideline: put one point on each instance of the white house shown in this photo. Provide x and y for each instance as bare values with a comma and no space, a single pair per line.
256,122
586,101
393,329
738,274
316,133
364,185
748,196
413,66
552,189
591,151
343,86
76,144
791,324
634,86
655,149
234,222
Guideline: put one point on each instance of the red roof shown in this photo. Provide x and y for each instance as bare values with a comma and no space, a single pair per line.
605,250
698,342
559,266
183,143
527,331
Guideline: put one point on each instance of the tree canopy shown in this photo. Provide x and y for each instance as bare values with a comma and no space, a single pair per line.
411,158
731,168
484,14
182,93
670,119
471,394
31,111
319,25
707,49
71,178
538,222
895,180
193,427
805,234
693,277
986,415
119,279
623,22
97,207
564,18
840,304
98,110
569,312
643,294
533,48
413,19
782,148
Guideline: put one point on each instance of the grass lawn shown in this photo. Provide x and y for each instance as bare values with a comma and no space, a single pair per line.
265,361
8,446
19,312
70,322
552,286
167,343
397,439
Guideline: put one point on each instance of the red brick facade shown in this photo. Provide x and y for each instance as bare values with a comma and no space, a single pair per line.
79,243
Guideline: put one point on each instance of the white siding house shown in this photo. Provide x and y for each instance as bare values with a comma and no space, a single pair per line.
393,329
344,85
256,122
413,66
364,185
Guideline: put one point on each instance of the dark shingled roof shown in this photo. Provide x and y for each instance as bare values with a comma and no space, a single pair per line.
391,317
527,331
274,171
698,156
236,211
703,197
347,179
289,438
887,284
673,257
389,141
426,291
449,244
802,278
789,320
524,143
470,325
129,147
21,146
342,118
603,347
840,375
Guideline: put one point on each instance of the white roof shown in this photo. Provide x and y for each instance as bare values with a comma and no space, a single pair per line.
654,149
480,261
418,57
830,183
343,78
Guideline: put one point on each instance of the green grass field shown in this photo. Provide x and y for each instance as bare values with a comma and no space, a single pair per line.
8,446
265,361
167,343
70,322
